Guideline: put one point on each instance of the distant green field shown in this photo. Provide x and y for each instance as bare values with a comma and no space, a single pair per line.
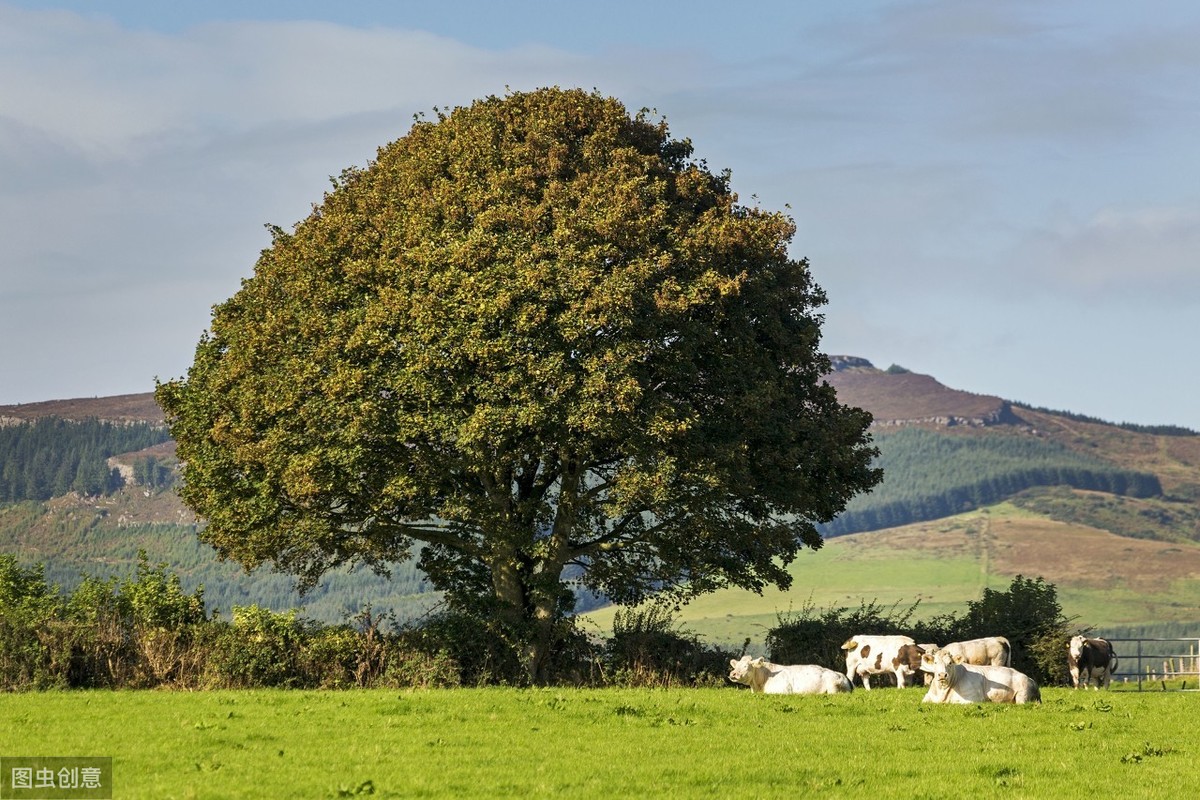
578,743
842,573
905,565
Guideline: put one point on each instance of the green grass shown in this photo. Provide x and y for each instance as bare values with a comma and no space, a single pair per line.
839,574
610,743
1120,605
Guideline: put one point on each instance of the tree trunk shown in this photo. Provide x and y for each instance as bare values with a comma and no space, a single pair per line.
529,587
512,592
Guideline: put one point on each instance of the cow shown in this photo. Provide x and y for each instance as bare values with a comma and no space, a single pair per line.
1090,659
763,676
956,682
994,651
875,655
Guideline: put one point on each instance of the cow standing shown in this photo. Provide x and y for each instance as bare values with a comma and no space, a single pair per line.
875,655
1090,659
956,682
993,651
763,676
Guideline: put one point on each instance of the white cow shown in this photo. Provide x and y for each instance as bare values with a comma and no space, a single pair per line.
956,682
992,651
763,676
875,655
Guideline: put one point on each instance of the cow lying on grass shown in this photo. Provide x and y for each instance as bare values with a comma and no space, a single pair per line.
956,682
763,676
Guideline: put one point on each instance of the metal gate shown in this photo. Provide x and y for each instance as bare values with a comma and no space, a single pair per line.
1158,663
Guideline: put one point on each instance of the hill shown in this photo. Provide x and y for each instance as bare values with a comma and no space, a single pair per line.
1121,554
900,397
979,489
119,408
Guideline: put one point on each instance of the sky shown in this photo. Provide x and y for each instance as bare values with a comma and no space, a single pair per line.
1004,195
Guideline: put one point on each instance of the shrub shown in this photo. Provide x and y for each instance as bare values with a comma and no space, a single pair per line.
156,600
32,651
106,653
408,667
482,654
648,649
259,648
812,636
329,658
1030,616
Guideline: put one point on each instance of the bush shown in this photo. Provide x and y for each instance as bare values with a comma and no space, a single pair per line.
137,632
32,653
260,648
1030,616
362,653
811,636
483,656
156,600
410,667
105,651
648,649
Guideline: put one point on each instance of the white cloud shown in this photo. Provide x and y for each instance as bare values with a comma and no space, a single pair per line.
937,156
1145,253
144,165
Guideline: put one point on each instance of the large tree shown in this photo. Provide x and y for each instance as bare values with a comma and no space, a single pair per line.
534,337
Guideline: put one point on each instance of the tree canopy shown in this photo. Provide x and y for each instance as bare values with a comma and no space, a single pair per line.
533,336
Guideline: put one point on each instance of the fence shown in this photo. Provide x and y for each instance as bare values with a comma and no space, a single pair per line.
1157,661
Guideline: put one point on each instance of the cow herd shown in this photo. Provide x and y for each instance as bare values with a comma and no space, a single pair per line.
974,671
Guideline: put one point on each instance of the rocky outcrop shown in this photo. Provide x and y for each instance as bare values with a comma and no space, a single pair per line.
907,398
843,363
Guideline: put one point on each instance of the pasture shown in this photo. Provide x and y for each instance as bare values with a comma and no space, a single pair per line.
605,743
1102,579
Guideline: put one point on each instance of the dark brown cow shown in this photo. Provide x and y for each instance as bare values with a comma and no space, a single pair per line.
1091,659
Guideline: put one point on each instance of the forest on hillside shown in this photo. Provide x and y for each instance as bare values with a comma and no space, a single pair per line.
82,541
49,457
929,475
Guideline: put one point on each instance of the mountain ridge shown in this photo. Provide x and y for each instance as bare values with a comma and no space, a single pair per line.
120,408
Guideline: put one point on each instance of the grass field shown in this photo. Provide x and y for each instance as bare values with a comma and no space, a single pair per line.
608,743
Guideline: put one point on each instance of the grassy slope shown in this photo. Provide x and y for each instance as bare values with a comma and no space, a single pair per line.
1102,579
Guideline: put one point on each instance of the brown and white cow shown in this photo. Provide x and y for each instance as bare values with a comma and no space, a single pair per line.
763,676
1091,659
876,655
956,682
994,651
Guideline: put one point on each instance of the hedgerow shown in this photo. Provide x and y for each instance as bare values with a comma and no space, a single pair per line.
146,632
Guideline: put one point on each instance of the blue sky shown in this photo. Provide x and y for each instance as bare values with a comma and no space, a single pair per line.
1003,195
